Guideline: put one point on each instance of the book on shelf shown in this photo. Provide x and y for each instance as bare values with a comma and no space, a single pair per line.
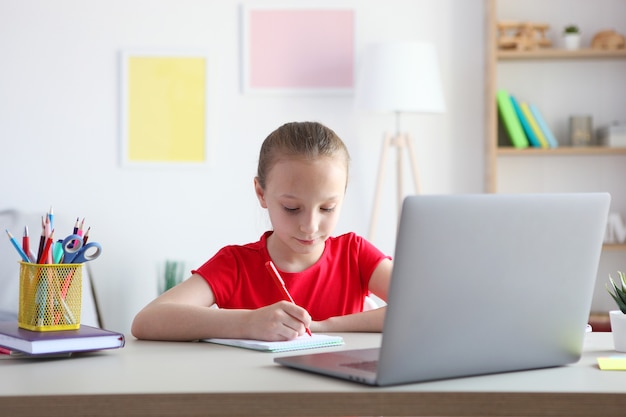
547,132
510,120
299,343
530,133
83,339
534,125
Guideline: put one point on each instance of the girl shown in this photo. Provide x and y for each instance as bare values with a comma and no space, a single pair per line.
301,181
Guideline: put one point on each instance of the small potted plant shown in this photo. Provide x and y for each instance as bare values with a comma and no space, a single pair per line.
571,37
618,317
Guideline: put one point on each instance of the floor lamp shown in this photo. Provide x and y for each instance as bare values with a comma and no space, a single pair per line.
399,77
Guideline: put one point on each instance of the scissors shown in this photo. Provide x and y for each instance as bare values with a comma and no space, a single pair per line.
75,252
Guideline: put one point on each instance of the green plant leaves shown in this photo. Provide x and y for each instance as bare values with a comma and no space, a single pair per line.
618,293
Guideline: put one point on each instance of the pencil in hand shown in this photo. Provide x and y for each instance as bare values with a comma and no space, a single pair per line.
281,285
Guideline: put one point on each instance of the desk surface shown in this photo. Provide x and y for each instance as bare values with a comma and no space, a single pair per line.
193,379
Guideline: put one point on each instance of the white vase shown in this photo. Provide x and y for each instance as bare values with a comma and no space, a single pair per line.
618,328
571,41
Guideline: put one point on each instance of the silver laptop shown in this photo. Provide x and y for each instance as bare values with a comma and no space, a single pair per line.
481,284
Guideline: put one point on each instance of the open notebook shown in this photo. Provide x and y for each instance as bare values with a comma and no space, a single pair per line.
300,343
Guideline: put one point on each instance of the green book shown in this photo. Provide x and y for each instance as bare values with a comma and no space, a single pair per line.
510,120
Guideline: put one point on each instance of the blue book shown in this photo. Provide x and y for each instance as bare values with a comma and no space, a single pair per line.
544,127
530,134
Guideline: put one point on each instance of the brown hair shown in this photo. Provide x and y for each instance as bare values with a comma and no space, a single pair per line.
307,140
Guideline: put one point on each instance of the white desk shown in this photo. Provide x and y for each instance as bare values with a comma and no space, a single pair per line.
200,379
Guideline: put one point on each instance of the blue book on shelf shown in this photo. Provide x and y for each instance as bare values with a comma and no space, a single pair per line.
530,134
544,127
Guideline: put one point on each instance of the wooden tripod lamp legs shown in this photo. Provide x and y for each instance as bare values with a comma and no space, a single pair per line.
402,142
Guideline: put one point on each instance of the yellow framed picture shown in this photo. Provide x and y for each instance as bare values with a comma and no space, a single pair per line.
164,108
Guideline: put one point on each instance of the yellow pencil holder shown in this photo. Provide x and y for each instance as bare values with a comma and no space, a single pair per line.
50,296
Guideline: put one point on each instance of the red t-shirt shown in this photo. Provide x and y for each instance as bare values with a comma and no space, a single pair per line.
335,285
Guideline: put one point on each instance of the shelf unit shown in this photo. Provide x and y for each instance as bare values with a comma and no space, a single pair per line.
534,62
495,56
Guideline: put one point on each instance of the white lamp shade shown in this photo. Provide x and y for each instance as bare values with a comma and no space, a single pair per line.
400,77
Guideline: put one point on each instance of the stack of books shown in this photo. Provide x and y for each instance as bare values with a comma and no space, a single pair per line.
16,341
524,123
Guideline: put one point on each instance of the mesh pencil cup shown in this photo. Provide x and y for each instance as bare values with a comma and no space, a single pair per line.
50,296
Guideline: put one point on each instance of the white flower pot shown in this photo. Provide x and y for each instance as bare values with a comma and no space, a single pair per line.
571,41
618,328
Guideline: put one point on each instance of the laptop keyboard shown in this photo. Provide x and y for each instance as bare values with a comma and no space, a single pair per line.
362,365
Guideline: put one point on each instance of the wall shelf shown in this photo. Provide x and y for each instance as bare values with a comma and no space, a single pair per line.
563,150
614,246
555,53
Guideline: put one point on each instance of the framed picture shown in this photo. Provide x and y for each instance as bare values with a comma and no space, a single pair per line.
164,108
297,50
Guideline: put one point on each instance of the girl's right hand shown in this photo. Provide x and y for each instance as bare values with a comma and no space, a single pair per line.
277,322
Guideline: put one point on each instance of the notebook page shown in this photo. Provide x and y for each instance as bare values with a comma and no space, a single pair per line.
300,343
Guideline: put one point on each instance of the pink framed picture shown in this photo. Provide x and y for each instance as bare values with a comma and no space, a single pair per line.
297,50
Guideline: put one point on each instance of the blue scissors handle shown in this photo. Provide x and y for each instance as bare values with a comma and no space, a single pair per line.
74,252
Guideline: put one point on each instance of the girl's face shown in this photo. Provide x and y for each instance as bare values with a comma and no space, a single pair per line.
303,199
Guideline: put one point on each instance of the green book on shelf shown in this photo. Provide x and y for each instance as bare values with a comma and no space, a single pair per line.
510,120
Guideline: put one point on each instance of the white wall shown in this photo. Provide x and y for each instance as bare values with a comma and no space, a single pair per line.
59,128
